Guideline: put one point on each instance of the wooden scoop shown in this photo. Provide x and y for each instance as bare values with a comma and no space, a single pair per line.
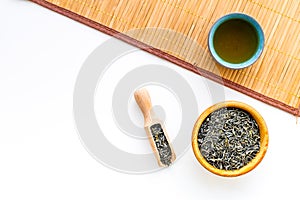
155,130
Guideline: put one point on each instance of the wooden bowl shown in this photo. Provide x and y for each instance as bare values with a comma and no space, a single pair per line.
264,139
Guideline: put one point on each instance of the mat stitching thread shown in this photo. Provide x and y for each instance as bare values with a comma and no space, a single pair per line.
183,9
275,11
283,52
122,20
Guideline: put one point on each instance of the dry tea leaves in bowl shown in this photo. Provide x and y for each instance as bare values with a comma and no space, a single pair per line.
230,138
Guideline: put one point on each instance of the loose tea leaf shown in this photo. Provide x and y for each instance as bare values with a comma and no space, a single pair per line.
229,138
162,144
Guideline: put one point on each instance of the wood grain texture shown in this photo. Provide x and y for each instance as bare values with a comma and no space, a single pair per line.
178,31
143,100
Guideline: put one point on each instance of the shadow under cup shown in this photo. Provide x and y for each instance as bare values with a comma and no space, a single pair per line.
236,41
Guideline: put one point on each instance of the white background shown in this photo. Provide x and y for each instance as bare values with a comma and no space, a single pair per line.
41,156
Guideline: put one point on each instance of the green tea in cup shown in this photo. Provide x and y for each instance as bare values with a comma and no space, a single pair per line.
236,41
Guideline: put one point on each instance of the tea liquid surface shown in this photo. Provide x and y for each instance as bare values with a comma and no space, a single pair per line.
235,41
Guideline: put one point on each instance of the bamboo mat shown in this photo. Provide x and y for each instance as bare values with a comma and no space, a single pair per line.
274,78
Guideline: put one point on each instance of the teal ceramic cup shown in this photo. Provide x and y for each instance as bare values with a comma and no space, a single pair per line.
236,41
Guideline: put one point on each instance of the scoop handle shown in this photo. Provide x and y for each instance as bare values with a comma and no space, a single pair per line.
143,100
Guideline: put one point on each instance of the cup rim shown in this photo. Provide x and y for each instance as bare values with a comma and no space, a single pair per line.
253,23
264,139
